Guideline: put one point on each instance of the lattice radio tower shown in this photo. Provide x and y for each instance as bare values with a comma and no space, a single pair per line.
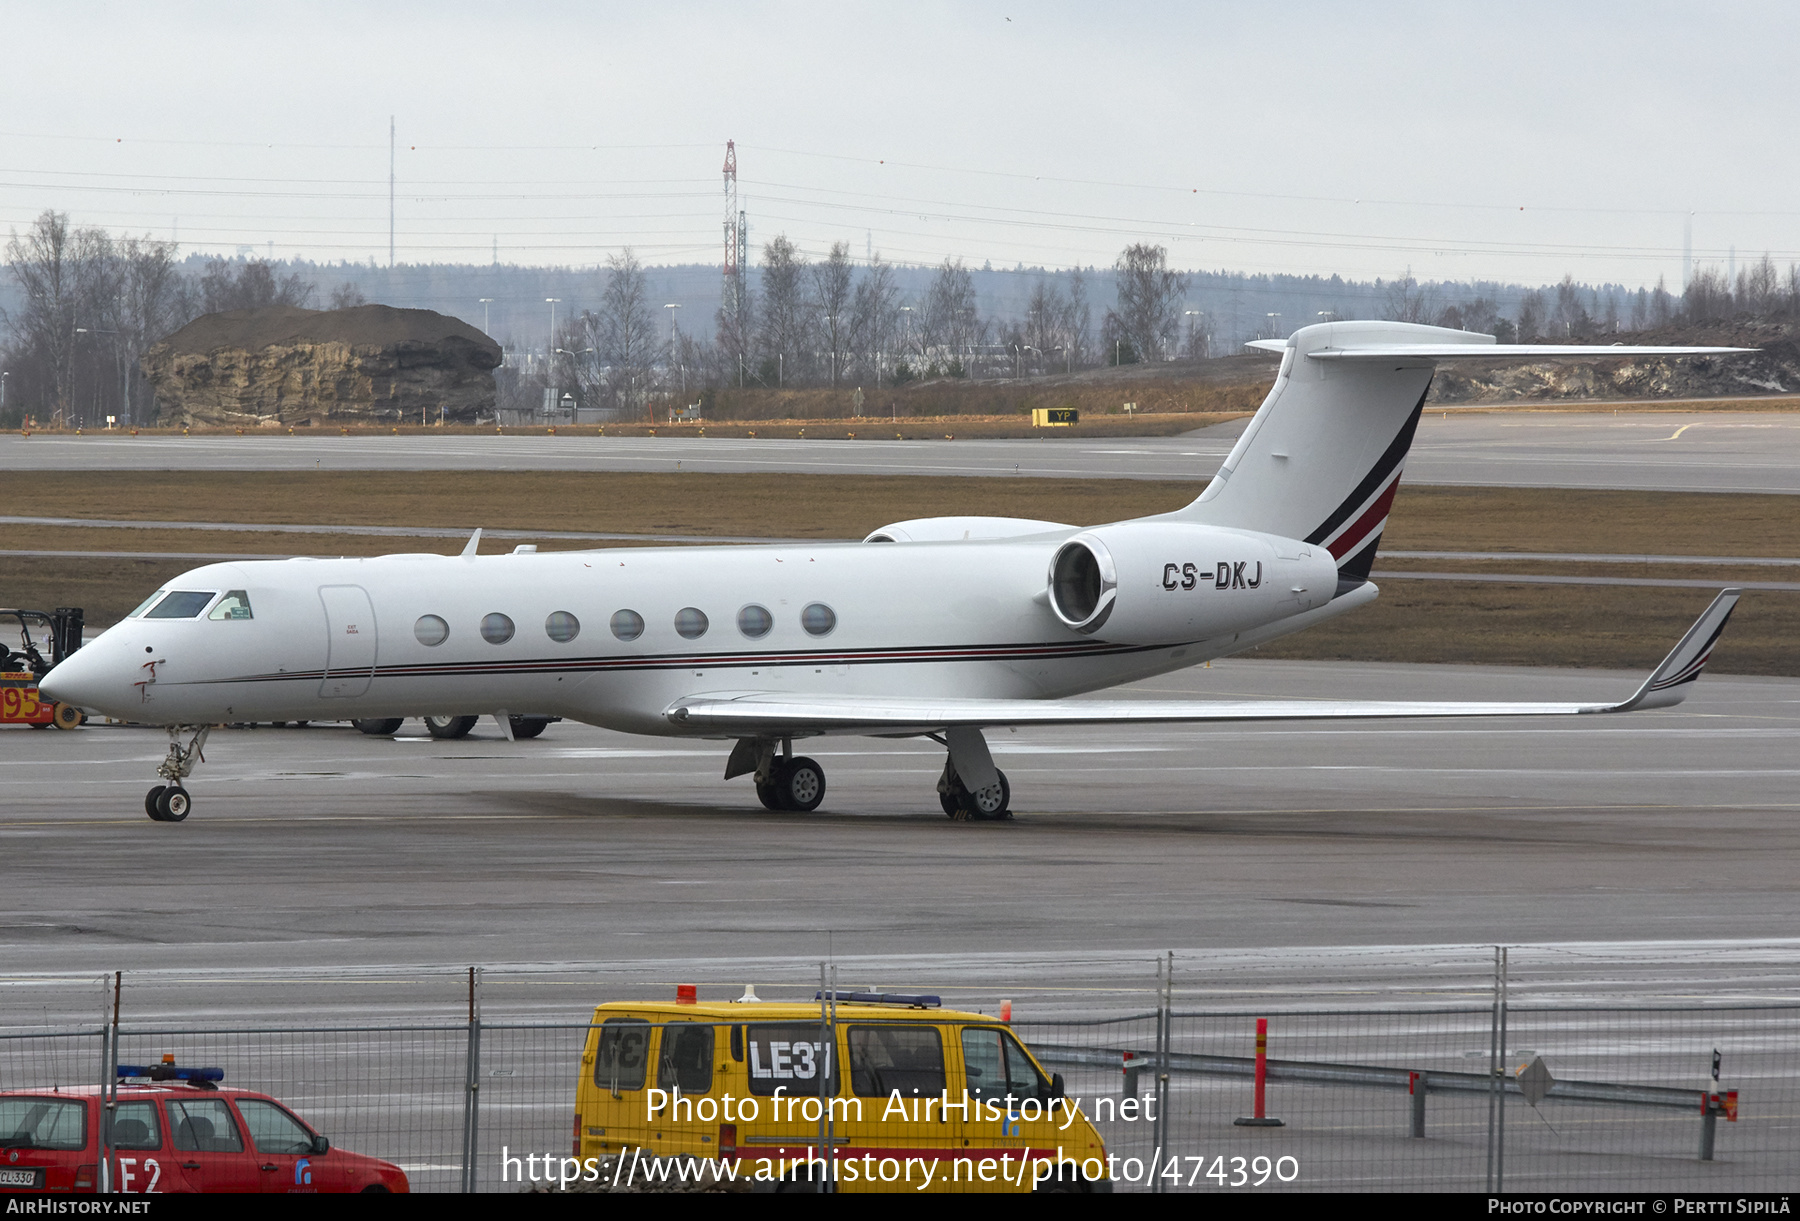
736,236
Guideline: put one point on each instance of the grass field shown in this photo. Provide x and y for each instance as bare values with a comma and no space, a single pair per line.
1439,621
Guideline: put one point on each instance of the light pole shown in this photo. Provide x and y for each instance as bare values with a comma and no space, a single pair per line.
485,302
1190,314
551,373
907,310
672,306
554,401
1274,326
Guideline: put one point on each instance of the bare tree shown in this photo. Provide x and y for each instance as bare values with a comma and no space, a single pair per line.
832,306
1759,288
1148,315
1662,305
1531,316
1081,320
1708,296
228,285
347,296
623,333
874,316
1407,301
787,331
950,322
43,264
151,303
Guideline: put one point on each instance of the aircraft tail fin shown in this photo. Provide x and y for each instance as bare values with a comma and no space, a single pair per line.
1321,459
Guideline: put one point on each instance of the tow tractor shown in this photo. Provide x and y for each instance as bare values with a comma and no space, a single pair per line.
22,668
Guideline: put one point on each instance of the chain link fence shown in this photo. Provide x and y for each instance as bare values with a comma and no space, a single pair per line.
1477,1096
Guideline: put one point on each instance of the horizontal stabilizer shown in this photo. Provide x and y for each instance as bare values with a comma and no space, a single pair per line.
780,714
1506,351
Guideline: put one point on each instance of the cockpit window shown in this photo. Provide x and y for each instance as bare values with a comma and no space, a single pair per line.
234,605
147,603
181,604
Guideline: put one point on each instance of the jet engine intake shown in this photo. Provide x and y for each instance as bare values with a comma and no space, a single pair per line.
1165,582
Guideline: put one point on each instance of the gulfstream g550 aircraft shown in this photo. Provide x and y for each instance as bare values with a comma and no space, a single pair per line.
940,628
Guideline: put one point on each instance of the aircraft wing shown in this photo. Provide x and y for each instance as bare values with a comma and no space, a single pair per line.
766,713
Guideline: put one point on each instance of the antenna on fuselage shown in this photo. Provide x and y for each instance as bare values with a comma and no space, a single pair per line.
468,551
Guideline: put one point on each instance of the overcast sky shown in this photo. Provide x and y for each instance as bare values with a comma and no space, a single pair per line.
1513,142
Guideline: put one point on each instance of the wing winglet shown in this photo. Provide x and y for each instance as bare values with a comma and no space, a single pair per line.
1667,684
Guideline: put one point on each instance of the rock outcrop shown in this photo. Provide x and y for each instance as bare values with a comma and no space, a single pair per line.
1774,368
285,366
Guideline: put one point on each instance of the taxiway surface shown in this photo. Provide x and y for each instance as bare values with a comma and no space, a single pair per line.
1701,452
320,847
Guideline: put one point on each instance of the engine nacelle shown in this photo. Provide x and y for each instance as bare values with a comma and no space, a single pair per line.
961,529
1165,582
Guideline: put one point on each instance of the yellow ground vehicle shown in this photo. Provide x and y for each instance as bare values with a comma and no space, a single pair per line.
747,1086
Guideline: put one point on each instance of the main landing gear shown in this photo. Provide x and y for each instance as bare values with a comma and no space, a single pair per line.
970,789
783,781
170,802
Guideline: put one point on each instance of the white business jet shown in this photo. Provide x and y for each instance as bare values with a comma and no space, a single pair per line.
938,628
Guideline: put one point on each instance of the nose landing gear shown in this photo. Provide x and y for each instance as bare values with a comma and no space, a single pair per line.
171,802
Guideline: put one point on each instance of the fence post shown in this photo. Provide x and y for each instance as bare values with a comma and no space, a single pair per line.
108,1054
1493,1069
472,1089
1164,1005
1496,1169
1418,1086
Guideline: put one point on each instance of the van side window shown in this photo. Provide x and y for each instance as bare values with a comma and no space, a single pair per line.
624,1054
997,1066
888,1058
685,1062
789,1055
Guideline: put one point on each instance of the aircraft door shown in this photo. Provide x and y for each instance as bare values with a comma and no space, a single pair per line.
350,641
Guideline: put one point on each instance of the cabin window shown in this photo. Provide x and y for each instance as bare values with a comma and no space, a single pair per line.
888,1058
818,619
686,1060
181,604
755,621
431,631
562,627
690,623
234,605
623,1054
496,628
627,624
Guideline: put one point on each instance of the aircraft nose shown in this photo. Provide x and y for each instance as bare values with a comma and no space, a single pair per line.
79,680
